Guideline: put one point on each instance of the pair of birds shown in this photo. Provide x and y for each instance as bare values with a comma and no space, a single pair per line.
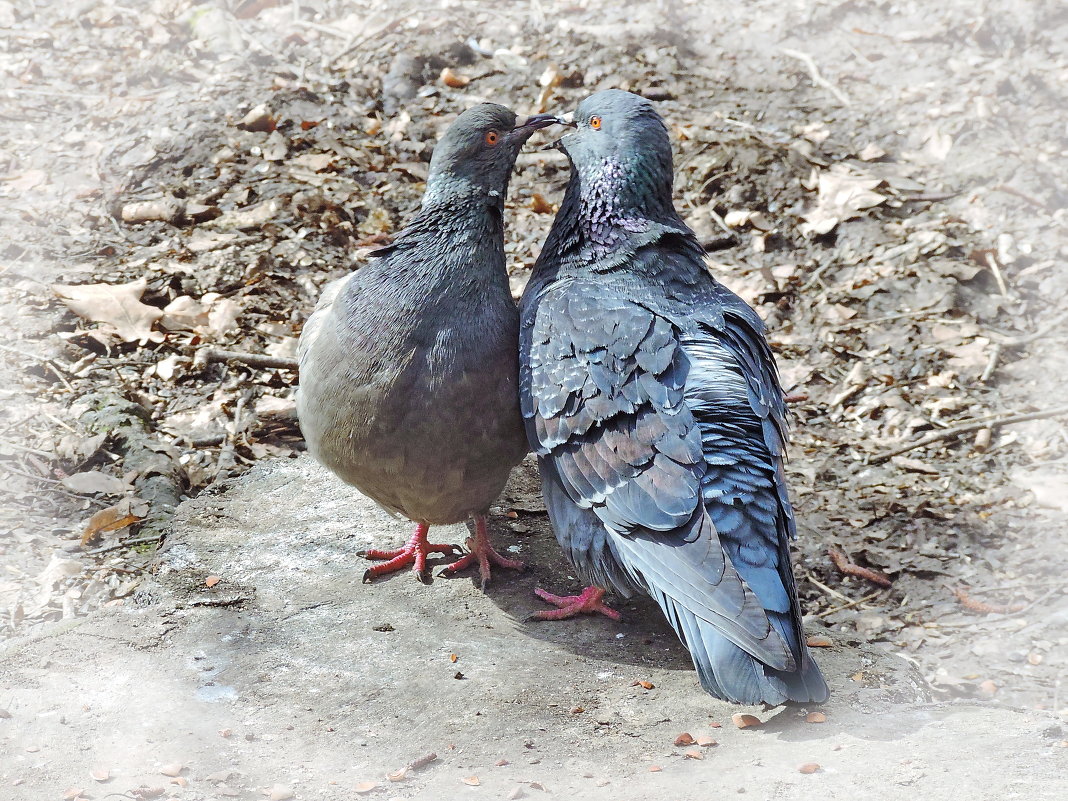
645,387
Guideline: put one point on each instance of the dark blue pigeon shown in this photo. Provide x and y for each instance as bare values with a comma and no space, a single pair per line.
652,400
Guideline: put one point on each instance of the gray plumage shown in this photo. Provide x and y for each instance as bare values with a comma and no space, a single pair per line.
652,400
408,366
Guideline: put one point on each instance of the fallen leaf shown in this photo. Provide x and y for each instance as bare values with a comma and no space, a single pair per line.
843,194
705,741
809,767
645,685
745,721
539,205
92,482
453,79
471,781
365,787
693,753
117,307
211,581
398,775
112,518
684,739
815,717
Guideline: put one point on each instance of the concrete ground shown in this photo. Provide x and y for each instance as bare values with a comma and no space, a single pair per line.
288,677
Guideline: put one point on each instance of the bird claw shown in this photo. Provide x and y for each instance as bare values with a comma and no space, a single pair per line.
482,554
413,553
590,602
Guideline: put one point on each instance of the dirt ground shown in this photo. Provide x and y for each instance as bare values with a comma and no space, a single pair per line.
885,182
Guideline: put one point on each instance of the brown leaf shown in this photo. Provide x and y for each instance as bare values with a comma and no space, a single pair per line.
684,739
539,205
745,721
113,518
116,307
453,79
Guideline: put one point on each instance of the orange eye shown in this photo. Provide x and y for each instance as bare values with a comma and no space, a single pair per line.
492,137
595,123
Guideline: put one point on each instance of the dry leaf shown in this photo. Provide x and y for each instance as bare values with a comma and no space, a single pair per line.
539,205
116,307
818,642
745,721
843,195
365,787
398,775
645,685
705,741
93,481
453,79
471,780
113,518
211,581
693,753
684,739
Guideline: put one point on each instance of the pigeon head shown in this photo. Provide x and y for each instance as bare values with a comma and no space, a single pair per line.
478,151
621,155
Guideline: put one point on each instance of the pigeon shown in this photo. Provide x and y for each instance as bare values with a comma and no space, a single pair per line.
652,401
409,365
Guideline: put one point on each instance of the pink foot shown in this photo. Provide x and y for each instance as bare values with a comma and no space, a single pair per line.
414,553
482,553
589,602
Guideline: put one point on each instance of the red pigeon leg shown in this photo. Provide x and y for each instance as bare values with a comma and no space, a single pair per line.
414,553
482,553
589,602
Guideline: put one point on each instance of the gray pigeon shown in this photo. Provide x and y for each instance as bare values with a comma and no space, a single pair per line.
652,401
408,366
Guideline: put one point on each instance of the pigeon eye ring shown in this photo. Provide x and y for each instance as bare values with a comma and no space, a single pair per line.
595,123
492,137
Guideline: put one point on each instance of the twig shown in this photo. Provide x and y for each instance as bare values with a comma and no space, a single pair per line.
994,421
995,268
929,197
826,589
381,29
850,569
868,321
9,444
865,599
1038,333
251,359
991,364
984,608
116,545
817,77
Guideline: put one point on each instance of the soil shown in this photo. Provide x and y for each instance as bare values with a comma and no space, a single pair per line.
883,181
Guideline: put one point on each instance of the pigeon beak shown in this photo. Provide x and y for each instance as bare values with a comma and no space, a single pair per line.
536,121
